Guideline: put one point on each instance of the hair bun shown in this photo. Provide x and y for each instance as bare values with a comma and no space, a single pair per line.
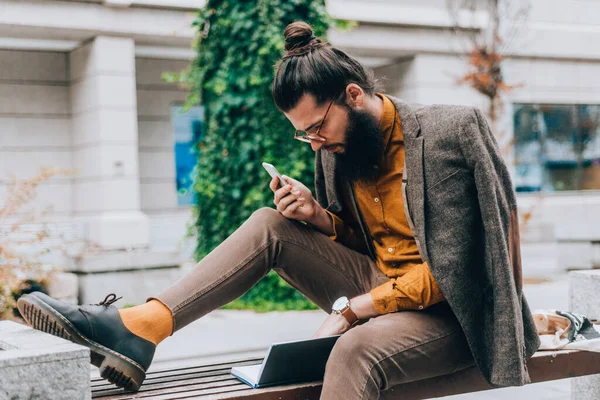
297,35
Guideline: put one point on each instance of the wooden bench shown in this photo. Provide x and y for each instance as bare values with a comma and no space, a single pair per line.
215,381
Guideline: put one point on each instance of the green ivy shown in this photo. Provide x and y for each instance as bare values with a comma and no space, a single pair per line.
238,45
272,294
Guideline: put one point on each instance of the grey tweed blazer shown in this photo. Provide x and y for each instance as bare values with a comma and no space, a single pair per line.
461,206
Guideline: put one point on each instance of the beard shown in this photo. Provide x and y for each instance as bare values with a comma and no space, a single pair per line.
363,149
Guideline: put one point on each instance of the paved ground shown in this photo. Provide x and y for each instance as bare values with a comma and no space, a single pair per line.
226,335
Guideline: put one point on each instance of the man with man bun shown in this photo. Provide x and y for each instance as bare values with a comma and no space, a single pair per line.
411,243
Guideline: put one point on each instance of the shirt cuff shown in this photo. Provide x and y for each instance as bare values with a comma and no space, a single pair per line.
338,225
400,294
384,298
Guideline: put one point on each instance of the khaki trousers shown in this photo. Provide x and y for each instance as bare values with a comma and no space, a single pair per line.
372,357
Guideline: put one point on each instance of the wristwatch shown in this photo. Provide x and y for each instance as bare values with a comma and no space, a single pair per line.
342,306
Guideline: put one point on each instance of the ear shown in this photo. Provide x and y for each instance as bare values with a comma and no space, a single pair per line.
355,96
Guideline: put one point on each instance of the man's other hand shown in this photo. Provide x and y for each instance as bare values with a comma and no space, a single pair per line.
335,324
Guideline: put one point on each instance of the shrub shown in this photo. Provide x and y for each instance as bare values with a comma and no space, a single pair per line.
238,45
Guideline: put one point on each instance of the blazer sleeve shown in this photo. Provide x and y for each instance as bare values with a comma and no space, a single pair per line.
496,198
498,207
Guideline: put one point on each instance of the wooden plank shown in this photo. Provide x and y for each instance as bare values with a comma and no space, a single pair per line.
201,368
196,394
189,384
216,382
174,376
180,378
304,391
175,380
543,366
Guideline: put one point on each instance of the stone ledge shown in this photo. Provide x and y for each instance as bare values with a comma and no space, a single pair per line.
114,261
34,364
578,254
135,286
585,274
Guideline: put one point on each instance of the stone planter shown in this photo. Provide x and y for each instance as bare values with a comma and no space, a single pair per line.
36,365
584,287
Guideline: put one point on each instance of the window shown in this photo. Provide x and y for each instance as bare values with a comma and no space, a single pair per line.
188,131
557,147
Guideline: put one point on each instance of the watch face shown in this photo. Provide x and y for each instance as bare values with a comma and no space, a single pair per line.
340,303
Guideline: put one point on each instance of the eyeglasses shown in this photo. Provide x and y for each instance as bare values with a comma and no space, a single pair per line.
307,138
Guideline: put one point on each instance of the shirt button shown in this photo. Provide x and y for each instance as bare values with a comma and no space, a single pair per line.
375,166
390,249
420,307
376,199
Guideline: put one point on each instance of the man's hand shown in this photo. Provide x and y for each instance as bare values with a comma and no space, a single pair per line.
294,201
335,324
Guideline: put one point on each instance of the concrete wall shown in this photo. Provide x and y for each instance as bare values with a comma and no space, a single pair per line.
157,156
156,138
557,60
429,79
82,21
553,29
36,131
35,123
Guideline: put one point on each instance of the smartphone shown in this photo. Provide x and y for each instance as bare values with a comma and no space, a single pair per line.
274,173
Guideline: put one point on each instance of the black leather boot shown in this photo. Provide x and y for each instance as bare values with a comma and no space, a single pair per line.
121,356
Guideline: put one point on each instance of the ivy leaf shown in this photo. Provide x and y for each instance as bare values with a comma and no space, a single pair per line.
237,43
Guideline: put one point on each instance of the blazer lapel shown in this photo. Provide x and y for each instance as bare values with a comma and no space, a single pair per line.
415,191
413,175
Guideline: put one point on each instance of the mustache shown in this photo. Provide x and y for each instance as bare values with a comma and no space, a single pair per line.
333,146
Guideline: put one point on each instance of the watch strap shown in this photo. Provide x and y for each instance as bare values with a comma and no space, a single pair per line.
350,316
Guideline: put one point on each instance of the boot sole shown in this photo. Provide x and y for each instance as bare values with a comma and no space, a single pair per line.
114,367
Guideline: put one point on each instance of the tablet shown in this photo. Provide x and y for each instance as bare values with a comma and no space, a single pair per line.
289,362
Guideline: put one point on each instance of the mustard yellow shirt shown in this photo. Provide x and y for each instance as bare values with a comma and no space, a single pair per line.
411,285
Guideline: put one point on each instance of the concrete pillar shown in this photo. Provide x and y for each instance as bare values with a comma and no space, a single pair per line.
105,143
584,287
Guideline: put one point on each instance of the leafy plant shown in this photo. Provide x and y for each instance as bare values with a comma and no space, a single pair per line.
272,294
238,44
21,268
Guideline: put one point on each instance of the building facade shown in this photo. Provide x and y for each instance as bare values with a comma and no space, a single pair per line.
81,89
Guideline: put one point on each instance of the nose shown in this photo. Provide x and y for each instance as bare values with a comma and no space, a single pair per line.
316,145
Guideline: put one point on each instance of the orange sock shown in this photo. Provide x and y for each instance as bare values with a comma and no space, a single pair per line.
152,321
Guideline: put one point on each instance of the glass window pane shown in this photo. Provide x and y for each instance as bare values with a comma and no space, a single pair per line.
557,147
187,129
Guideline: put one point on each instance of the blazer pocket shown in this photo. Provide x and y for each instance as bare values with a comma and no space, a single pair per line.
444,179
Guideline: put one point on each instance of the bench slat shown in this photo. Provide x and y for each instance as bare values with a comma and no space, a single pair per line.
224,366
180,379
193,383
543,366
215,381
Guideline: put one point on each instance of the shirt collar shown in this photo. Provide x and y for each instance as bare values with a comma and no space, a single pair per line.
388,120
